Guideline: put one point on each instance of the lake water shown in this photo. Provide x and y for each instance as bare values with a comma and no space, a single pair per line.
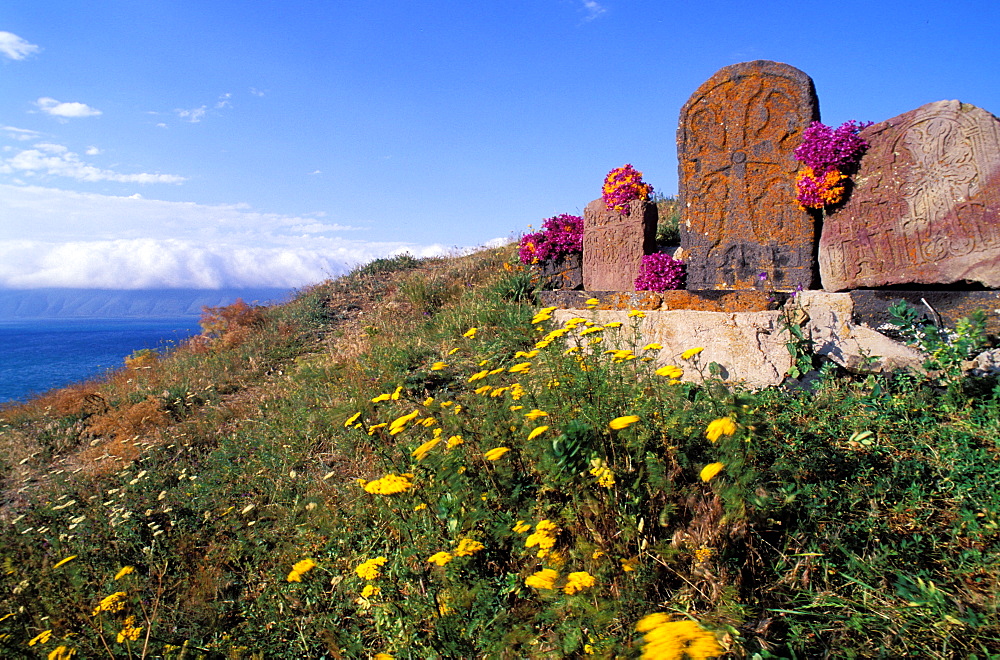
38,355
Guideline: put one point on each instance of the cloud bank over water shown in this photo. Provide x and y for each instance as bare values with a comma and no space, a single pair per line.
57,238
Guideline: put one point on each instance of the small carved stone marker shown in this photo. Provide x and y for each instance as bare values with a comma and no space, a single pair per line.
614,244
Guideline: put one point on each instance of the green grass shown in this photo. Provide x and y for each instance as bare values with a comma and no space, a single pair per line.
857,520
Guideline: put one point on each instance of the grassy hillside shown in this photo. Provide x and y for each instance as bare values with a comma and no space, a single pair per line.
413,461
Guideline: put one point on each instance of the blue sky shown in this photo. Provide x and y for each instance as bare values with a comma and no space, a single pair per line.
204,144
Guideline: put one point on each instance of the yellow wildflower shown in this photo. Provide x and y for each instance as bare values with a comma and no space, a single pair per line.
300,568
380,398
720,427
370,590
428,401
539,318
537,432
454,441
526,354
376,427
468,547
113,603
438,366
521,527
483,390
591,330
390,484
613,324
637,313
619,423
571,350
691,352
420,507
710,471
129,630
470,333
421,452
126,570
440,558
395,395
522,368
399,424
41,638
535,414
353,418
65,561
578,581
496,454
670,371
674,640
543,579
61,653
370,570
544,537
384,656
479,375
605,477
592,302
653,347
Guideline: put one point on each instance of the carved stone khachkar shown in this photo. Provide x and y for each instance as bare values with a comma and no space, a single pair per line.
925,207
614,244
735,145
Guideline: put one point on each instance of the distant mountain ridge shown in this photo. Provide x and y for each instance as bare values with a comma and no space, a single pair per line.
114,303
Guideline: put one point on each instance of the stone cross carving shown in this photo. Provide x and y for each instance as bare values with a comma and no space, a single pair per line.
925,207
735,141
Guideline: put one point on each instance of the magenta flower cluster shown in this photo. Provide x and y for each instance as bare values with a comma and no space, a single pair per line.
660,272
561,235
621,186
824,148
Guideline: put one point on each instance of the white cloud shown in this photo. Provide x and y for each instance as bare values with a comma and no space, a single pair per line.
194,115
147,263
256,92
56,160
14,47
92,151
593,9
223,101
20,134
55,108
58,238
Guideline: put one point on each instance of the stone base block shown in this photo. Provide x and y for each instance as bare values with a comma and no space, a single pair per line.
745,300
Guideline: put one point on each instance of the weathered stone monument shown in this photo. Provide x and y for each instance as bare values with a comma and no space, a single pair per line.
737,172
925,206
614,244
923,209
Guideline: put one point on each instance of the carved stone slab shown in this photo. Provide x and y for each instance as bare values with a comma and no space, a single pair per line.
925,206
739,217
614,244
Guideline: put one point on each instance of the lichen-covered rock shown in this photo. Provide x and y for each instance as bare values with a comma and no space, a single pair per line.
735,144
